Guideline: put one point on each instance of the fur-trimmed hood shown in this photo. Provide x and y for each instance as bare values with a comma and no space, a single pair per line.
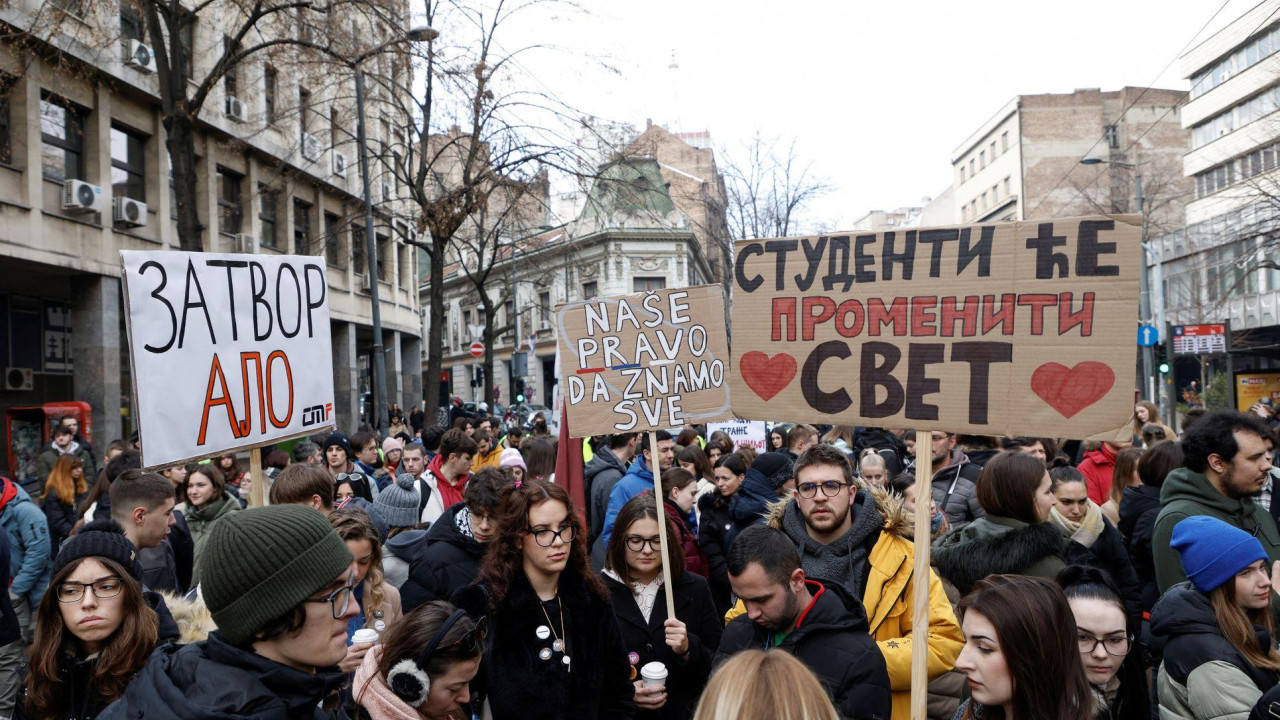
897,521
996,546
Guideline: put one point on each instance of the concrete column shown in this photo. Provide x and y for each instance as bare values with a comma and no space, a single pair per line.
411,368
346,387
95,347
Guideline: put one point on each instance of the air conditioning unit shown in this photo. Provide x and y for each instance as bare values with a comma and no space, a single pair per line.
244,244
339,164
237,110
19,379
130,212
80,196
387,193
311,147
366,282
139,56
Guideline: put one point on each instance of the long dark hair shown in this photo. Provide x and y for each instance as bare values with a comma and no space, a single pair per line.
1036,633
702,466
1007,486
504,558
1133,700
540,459
638,508
123,654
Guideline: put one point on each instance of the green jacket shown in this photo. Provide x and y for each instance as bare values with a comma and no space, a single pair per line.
46,461
1186,493
201,520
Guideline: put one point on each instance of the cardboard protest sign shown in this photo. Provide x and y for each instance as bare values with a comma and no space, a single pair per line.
641,362
742,432
995,329
228,351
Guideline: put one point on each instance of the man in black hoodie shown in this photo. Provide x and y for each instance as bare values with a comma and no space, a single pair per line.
602,473
819,623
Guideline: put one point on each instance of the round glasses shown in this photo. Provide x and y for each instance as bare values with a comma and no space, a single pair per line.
546,537
1118,646
830,488
109,587
635,543
339,600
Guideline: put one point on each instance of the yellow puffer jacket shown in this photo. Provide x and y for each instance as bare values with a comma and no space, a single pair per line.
889,598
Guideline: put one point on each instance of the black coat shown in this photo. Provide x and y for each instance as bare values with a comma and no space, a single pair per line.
519,685
80,702
9,629
1108,553
446,561
834,639
599,476
213,680
647,640
713,533
61,518
1138,512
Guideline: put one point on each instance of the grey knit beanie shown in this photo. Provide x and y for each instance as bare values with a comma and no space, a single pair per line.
261,563
398,502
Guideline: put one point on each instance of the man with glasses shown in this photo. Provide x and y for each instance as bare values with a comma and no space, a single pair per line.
847,537
278,582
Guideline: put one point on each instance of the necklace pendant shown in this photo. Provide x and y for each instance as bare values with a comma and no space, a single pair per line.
543,632
565,660
558,646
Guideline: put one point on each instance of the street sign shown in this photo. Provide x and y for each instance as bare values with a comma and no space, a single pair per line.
477,349
1148,336
1199,339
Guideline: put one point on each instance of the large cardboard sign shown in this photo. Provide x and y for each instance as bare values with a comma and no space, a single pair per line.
750,433
995,329
228,351
646,361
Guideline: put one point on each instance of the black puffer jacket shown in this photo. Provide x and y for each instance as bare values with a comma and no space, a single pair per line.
599,476
1138,512
955,489
834,639
213,680
1108,553
685,678
997,545
446,561
80,700
713,533
61,518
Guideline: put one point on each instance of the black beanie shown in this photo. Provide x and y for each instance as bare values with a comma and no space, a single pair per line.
340,440
100,538
776,467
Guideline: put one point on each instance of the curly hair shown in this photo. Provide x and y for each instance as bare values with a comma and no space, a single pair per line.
353,524
505,558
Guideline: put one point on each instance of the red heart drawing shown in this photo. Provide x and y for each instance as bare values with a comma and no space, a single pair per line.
1070,390
767,376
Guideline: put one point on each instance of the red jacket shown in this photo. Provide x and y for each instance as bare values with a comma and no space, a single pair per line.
694,561
1098,467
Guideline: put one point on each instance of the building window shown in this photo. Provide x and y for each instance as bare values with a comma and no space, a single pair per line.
187,40
645,284
269,92
384,260
131,26
995,194
1008,187
964,213
230,212
1112,134
982,159
331,239
590,290
230,77
335,136
304,109
128,165
62,139
6,137
544,309
509,317
984,201
301,227
993,150
173,189
1004,141
973,168
357,246
268,206
962,174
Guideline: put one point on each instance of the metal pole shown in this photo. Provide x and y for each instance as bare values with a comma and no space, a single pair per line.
1144,301
379,370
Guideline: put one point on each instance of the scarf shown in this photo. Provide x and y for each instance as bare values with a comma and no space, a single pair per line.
450,493
372,693
645,594
462,521
842,560
1088,530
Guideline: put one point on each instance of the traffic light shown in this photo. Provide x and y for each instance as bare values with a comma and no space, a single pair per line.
1164,365
520,390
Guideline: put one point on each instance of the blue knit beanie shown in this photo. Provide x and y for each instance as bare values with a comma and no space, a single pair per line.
1213,551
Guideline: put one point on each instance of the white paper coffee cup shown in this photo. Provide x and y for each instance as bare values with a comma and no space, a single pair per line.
654,674
364,635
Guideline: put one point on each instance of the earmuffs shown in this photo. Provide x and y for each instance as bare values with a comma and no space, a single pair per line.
408,678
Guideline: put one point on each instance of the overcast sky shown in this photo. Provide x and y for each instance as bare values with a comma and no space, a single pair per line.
876,94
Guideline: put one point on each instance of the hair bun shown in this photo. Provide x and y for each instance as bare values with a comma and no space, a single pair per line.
1058,461
1084,575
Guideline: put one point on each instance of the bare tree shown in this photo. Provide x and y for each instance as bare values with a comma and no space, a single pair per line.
769,189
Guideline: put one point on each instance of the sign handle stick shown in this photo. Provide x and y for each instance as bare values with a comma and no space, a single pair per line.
259,481
662,525
920,616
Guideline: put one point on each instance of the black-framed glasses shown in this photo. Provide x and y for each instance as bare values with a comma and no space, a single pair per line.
546,537
636,543
1116,645
103,588
339,600
830,488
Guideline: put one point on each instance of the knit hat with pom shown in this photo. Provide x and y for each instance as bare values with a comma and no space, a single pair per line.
398,502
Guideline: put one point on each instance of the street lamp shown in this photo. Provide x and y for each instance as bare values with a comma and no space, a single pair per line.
416,34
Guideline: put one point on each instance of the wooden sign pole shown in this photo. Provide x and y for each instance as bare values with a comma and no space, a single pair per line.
654,466
920,616
257,496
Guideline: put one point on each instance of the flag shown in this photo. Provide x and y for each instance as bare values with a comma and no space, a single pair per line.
569,464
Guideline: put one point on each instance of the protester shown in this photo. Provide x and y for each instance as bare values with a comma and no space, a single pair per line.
1146,413
11,645
448,556
1139,512
800,437
512,460
205,502
792,691
29,552
714,525
904,486
142,504
639,478
887,445
379,603
841,437
488,451
364,446
1021,652
718,446
1268,493
1218,629
1099,466
64,443
1106,644
1043,449
601,474
278,585
304,484
1225,462
422,668
679,488
1124,476
693,459
540,454
770,475
441,483
354,484
872,470
684,644
94,630
397,427
1153,433
392,450
337,454
555,649
954,480
778,440
64,490
398,505
232,474
820,623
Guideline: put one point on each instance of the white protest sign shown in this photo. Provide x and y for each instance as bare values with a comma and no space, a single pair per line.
228,352
742,432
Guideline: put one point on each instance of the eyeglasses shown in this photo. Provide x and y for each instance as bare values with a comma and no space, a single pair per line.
830,488
339,600
1118,646
109,587
635,543
547,537
473,641
350,477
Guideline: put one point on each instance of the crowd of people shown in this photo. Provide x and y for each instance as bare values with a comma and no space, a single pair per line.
444,573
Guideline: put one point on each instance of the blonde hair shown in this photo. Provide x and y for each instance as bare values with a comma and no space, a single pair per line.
353,523
790,690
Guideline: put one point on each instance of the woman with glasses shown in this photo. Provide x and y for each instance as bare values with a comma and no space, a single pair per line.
423,667
348,486
680,492
1112,662
205,501
684,644
554,649
94,628
378,600
1219,653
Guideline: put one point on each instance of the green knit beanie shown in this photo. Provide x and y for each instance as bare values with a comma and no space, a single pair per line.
259,564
